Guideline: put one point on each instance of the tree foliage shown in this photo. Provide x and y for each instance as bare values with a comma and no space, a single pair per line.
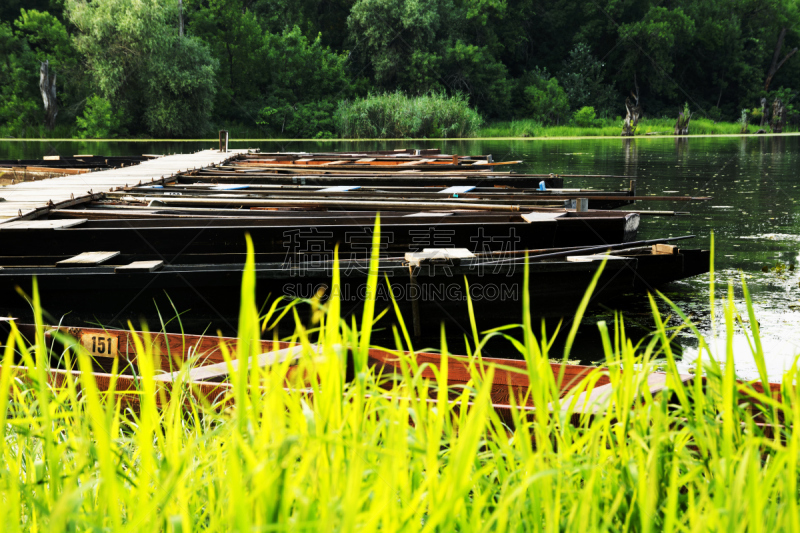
285,82
18,110
139,62
582,79
545,99
284,65
99,120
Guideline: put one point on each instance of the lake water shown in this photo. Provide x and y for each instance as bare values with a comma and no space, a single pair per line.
753,214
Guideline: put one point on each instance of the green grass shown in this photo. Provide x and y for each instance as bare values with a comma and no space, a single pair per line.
609,128
416,457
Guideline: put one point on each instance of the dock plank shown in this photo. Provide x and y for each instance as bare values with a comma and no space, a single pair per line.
29,198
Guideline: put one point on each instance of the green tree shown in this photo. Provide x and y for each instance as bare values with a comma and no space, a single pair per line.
20,105
137,60
582,79
432,46
545,99
49,41
285,82
399,41
652,46
306,81
10,9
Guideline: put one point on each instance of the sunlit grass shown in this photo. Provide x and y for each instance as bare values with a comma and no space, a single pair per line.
610,128
303,449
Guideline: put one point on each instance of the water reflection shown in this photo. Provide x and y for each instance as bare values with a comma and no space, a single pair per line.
631,150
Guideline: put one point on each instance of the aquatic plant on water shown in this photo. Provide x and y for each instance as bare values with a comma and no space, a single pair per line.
410,455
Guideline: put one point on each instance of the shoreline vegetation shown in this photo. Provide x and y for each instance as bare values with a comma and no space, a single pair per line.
479,137
437,116
166,69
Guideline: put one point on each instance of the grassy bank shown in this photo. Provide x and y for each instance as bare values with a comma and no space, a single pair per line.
393,117
347,456
610,128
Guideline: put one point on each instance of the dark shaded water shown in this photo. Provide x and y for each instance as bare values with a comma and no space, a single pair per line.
754,214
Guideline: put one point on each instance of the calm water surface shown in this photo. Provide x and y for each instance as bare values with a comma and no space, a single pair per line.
753,215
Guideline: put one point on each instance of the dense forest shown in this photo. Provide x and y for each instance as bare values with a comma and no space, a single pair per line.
184,68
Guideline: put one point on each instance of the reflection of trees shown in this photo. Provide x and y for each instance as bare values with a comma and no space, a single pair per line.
777,147
631,151
681,150
770,154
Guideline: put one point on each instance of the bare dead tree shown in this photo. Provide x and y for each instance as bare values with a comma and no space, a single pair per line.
180,17
775,63
634,112
47,87
682,124
778,116
763,112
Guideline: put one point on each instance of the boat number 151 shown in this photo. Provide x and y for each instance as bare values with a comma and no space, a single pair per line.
101,345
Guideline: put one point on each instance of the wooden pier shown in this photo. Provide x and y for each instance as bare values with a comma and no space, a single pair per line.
30,199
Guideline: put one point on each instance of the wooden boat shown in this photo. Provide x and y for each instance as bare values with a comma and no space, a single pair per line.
86,163
210,372
395,162
19,170
344,195
208,379
425,284
278,233
313,175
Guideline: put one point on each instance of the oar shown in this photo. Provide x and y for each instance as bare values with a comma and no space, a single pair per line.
592,249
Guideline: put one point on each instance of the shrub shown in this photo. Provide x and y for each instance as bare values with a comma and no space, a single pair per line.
99,121
395,115
715,114
546,100
584,117
309,120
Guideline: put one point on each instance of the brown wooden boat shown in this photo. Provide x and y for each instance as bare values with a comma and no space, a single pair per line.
396,161
208,380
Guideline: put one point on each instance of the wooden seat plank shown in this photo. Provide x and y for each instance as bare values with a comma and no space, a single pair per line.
140,266
221,370
597,400
41,224
87,258
457,189
540,216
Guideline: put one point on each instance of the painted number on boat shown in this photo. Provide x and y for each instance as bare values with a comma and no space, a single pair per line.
101,345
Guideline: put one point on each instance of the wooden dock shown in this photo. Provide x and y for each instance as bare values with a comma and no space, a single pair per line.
30,199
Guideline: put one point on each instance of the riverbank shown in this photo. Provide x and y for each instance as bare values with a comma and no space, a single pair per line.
479,138
527,128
